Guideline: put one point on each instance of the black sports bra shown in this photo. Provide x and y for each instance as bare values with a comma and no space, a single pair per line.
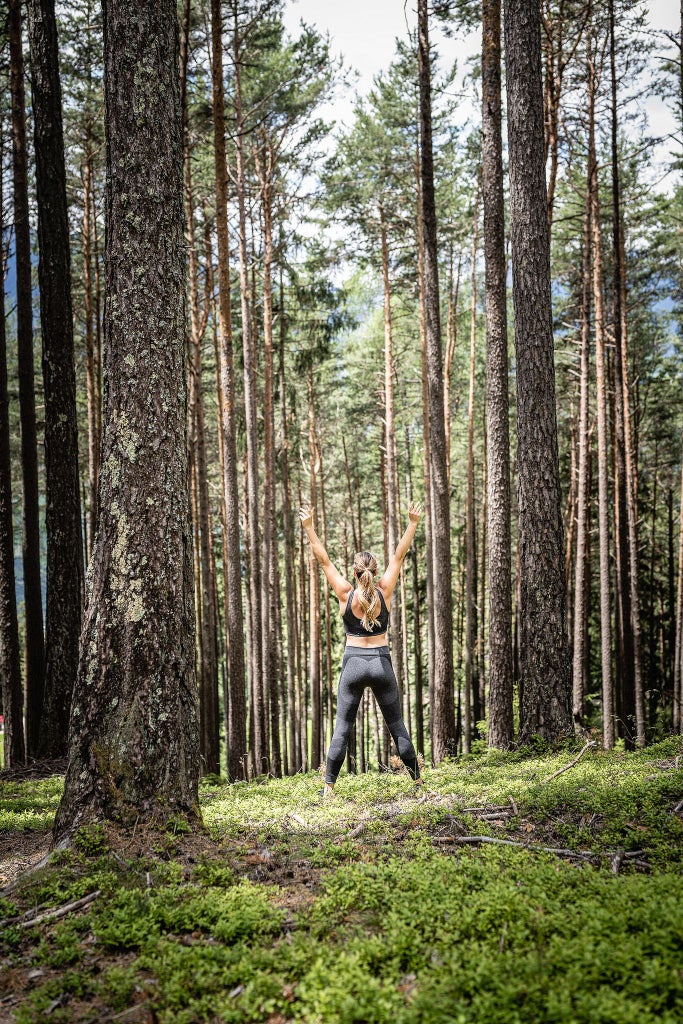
352,623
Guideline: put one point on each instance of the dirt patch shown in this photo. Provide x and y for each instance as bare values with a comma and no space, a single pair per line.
20,851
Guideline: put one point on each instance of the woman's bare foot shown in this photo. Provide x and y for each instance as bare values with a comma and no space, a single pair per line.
328,792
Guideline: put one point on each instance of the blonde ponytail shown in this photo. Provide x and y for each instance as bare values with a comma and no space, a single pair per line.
365,568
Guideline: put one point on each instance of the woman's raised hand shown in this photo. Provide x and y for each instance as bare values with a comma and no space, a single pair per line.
415,511
306,515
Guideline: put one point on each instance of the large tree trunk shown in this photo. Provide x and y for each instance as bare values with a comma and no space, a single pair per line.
545,706
237,717
580,635
443,716
10,658
134,744
33,607
64,591
593,185
501,726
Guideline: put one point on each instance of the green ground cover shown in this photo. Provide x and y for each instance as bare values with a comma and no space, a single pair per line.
369,909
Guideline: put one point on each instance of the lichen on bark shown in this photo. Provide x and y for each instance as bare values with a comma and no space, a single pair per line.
134,723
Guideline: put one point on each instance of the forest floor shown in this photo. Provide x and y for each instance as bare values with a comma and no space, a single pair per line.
387,904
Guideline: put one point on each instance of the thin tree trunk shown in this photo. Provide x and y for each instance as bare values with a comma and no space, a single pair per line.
429,519
64,562
391,462
471,661
481,643
288,543
314,591
10,659
92,393
271,575
671,601
443,717
250,406
33,609
501,726
328,724
134,744
451,343
678,658
237,719
545,703
205,581
580,637
633,683
417,619
601,402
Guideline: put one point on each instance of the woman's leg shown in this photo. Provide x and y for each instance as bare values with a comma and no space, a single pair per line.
386,693
349,693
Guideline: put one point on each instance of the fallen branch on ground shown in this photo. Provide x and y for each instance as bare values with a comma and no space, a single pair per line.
631,855
593,743
53,915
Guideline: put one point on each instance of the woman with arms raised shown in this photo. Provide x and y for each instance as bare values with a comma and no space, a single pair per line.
366,662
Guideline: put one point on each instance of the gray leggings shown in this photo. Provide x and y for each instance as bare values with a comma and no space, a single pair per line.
361,667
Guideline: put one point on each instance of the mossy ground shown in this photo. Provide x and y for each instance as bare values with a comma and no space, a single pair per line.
366,909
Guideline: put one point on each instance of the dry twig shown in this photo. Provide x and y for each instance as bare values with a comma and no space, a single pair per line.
53,915
571,764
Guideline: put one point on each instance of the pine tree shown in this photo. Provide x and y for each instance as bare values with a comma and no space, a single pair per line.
134,721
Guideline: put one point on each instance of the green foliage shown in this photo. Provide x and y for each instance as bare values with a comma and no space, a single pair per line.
29,806
134,918
91,840
387,926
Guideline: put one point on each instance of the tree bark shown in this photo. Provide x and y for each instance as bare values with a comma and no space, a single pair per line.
678,654
10,659
390,449
92,391
33,607
580,637
234,616
258,687
471,660
545,706
314,592
290,572
443,716
501,726
429,519
593,186
64,576
271,575
134,744
634,702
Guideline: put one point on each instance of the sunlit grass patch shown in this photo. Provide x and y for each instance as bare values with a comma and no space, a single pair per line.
29,805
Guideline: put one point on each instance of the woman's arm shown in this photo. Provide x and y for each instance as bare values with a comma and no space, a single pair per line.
341,586
390,577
